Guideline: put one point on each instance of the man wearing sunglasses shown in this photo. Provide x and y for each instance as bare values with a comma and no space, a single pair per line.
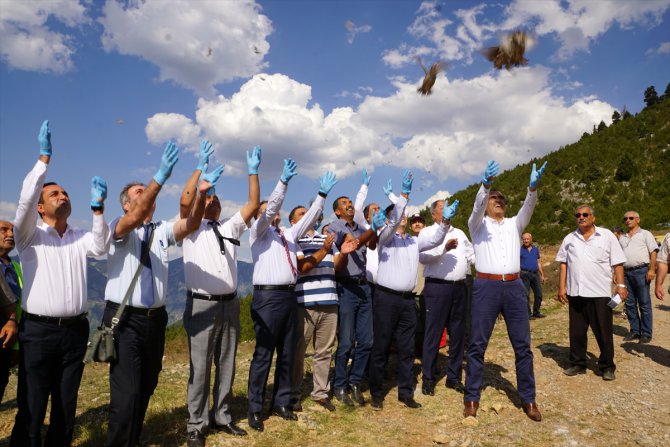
587,257
640,249
498,288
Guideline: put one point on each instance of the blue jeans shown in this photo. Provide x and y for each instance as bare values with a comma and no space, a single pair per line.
638,298
354,333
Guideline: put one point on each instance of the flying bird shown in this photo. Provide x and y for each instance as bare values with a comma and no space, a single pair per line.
510,52
209,52
431,76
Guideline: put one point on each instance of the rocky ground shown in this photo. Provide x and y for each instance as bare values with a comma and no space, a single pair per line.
577,411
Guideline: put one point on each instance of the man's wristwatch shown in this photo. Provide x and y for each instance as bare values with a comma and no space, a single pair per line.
622,286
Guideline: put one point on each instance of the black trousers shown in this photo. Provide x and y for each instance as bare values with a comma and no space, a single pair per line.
50,364
5,361
392,315
274,314
140,342
445,306
594,312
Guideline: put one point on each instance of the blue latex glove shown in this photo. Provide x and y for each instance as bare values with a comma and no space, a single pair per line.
254,160
492,169
407,179
378,220
98,191
169,159
388,189
326,182
206,151
289,170
366,177
449,211
44,138
213,176
536,175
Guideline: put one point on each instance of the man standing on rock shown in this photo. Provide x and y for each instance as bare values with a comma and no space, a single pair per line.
498,288
640,249
587,257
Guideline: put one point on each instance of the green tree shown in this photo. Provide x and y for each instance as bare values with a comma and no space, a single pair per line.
616,117
666,95
650,96
626,169
625,114
602,126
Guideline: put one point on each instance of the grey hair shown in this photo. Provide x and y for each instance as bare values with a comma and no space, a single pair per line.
434,205
593,211
633,212
123,197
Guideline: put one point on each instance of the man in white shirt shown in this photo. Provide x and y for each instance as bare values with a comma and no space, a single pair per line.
274,305
363,218
212,311
140,332
662,267
640,248
498,288
587,256
445,296
54,329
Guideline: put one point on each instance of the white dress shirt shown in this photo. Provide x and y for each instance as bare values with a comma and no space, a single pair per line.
206,270
399,254
271,262
638,247
54,267
372,256
590,262
124,258
452,265
497,245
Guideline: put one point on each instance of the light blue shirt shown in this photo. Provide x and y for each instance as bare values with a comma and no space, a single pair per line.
124,258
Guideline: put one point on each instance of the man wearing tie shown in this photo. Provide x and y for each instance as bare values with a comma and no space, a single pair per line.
212,312
140,332
274,305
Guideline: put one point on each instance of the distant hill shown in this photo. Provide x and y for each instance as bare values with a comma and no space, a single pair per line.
176,294
625,166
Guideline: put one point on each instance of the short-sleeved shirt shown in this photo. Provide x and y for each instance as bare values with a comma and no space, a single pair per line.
529,258
316,287
664,251
206,270
638,247
590,262
358,258
124,258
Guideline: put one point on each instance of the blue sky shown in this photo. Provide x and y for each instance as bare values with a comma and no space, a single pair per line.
330,83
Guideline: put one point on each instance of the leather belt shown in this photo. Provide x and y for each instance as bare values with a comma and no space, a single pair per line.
58,321
361,281
409,294
144,311
505,277
445,281
202,296
637,267
285,287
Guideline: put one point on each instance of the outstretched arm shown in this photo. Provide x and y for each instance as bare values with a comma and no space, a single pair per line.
249,210
184,227
188,193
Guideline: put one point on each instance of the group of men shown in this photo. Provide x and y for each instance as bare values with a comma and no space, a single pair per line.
354,284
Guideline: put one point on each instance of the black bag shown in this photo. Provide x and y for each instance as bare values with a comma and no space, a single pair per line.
101,346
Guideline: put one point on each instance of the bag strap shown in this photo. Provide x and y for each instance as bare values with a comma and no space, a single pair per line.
143,258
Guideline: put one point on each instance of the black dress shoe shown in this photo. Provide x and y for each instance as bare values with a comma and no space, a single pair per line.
409,402
256,421
285,413
342,395
428,388
195,439
377,403
608,374
231,429
645,339
574,370
631,337
326,403
455,385
357,395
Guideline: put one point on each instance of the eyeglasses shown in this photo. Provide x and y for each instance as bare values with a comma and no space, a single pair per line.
578,215
625,218
500,198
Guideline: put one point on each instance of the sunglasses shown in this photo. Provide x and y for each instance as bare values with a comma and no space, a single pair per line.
501,198
628,218
578,215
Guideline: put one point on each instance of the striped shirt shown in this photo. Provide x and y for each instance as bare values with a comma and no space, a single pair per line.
316,287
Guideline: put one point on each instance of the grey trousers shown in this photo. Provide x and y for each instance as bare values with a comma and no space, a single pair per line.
213,328
316,326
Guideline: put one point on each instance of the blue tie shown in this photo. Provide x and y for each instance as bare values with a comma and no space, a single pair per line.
146,276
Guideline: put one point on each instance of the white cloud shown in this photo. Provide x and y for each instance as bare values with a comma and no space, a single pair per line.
577,23
353,30
29,43
196,44
663,48
439,195
7,211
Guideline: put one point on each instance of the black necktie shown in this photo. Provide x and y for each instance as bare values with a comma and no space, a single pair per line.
221,238
146,276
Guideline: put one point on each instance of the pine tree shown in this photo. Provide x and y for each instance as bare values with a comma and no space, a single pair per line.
602,126
616,117
650,96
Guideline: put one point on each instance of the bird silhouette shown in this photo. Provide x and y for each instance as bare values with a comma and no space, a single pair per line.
511,50
430,76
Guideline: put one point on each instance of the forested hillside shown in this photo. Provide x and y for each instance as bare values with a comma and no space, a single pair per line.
625,166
